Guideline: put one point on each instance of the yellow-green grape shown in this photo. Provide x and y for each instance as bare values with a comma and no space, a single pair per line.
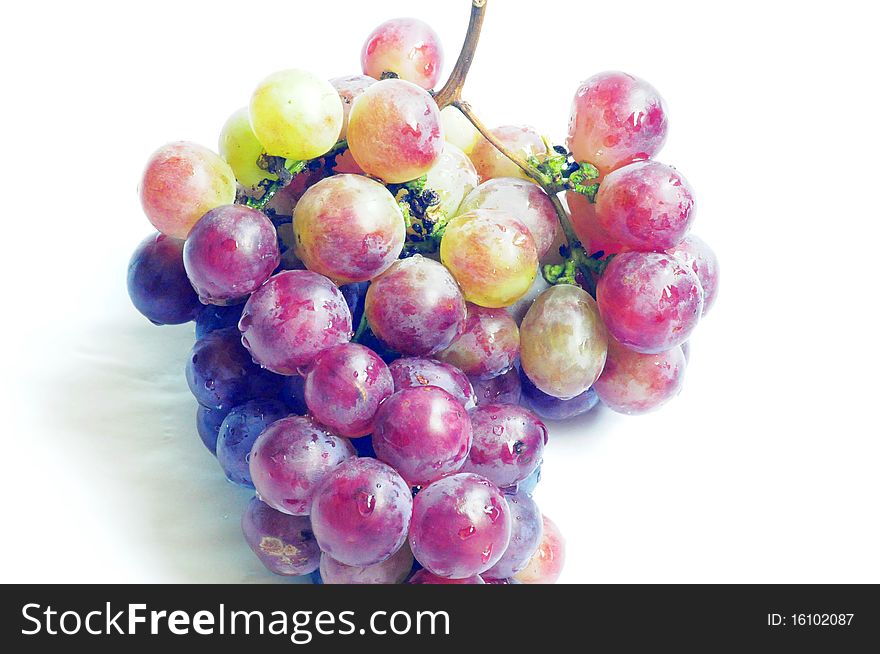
241,149
459,130
452,178
492,256
563,342
296,115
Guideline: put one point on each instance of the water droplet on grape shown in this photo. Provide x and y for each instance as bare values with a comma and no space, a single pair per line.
466,532
366,503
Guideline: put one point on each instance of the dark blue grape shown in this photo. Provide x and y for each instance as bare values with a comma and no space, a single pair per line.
239,431
211,318
157,282
293,394
552,408
364,446
208,423
354,295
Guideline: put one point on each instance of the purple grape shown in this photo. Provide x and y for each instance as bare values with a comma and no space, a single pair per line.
293,394
529,484
361,512
503,389
208,423
354,295
552,408
416,371
425,577
284,543
364,446
291,458
212,317
345,386
526,531
221,373
423,432
291,318
460,526
393,570
157,282
237,435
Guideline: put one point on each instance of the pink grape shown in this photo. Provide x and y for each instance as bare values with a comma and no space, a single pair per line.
416,371
587,228
181,183
393,570
395,132
645,206
284,543
345,386
361,512
546,563
348,228
616,119
290,459
460,526
519,139
488,346
695,254
650,302
291,318
407,47
634,383
350,89
416,308
425,577
521,199
229,253
503,389
508,443
423,432
527,531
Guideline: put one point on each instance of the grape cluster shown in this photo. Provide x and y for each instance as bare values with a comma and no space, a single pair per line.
385,316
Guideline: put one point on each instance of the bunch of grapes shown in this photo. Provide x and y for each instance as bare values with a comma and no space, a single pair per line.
385,316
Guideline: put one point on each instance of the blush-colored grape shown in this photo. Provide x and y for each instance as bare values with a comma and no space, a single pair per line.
563,341
414,372
291,458
395,132
361,512
553,408
616,119
526,533
157,282
181,183
519,139
425,577
284,543
503,389
423,432
488,346
695,254
508,443
416,307
452,178
587,228
229,253
634,383
239,430
345,386
492,256
546,563
650,302
208,423
292,317
348,228
393,570
407,47
350,89
460,526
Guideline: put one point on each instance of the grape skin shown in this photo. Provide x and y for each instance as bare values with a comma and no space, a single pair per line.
425,577
546,563
408,47
239,430
240,148
350,89
284,543
393,570
518,309
634,383
587,228
213,317
208,423
519,139
488,346
452,178
503,389
553,408
157,283
414,372
527,531
695,254
459,131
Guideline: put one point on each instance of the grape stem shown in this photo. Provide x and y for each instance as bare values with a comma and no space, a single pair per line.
451,91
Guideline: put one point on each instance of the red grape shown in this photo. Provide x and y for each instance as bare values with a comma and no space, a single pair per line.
157,282
488,346
503,389
407,47
284,543
635,383
695,254
526,533
393,570
546,563
587,228
415,372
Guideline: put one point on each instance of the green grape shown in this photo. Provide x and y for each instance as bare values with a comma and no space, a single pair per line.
241,149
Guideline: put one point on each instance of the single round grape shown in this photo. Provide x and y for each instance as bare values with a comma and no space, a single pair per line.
208,423
503,389
361,512
181,183
423,432
508,443
293,394
394,131
355,297
241,150
416,371
229,253
291,458
563,341
157,282
425,577
296,114
460,526
526,532
459,131
587,228
519,139
222,375
553,408
634,383
416,307
645,206
518,309
546,563
213,317
350,89
452,178
616,119
393,570
408,47
292,317
695,254
237,434
491,255
345,386
650,302
284,543
349,228
522,199
488,346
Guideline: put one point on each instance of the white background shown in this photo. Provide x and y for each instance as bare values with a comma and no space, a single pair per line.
765,469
